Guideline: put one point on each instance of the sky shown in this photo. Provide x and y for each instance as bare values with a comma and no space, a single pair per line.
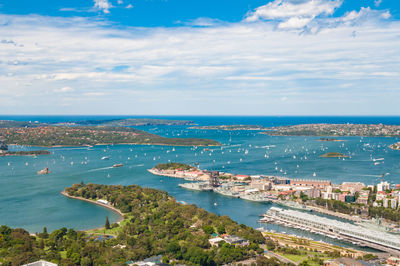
192,57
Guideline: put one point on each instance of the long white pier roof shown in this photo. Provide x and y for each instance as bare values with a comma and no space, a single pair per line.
348,229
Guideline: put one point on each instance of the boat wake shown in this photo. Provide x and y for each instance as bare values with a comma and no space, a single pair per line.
100,169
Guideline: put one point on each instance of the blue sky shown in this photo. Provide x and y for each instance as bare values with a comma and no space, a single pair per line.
187,57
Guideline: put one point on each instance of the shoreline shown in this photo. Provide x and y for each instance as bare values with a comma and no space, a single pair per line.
113,144
115,210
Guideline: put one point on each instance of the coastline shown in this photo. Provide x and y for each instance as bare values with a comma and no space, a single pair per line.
115,210
113,144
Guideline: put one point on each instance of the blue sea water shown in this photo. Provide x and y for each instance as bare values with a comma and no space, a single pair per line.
33,201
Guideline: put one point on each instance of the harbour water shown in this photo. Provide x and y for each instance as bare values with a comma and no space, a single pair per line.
33,201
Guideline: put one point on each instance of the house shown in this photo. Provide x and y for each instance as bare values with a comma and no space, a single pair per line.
232,239
214,241
155,260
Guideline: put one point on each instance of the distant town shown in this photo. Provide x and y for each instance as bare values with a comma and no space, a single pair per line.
364,130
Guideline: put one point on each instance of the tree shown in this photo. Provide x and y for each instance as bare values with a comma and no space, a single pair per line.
107,225
45,234
208,229
221,229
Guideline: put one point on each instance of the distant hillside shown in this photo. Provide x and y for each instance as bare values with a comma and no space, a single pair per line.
49,136
10,123
134,122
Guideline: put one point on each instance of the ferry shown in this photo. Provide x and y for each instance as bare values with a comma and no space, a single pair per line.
118,165
199,186
294,205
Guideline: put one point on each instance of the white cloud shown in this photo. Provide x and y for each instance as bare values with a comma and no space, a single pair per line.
366,14
103,5
212,69
94,94
65,89
293,13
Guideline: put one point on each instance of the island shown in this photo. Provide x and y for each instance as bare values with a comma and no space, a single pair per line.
329,139
53,136
153,224
334,155
230,127
365,130
395,146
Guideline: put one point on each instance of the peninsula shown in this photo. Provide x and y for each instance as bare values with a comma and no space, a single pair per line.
24,153
365,130
230,127
154,224
51,136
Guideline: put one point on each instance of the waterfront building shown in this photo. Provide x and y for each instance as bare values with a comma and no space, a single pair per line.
352,187
372,237
310,183
260,184
344,262
308,191
103,201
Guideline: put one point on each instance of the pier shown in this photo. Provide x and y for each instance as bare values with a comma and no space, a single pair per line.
354,234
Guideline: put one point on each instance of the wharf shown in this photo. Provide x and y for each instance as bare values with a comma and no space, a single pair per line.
334,229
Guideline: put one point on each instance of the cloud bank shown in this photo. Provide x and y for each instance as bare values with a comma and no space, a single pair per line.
78,65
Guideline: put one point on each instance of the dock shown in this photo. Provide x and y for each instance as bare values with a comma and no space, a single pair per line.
348,232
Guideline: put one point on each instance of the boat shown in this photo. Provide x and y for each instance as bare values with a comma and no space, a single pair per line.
105,158
199,186
44,171
293,205
118,165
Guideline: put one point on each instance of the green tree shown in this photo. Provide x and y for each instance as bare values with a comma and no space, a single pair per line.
107,224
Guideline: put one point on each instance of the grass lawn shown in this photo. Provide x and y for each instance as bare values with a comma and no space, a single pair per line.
295,258
113,231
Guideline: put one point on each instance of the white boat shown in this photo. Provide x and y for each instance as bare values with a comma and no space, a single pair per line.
105,158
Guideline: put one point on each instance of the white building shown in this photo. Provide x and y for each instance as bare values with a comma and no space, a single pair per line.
382,186
41,263
103,201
